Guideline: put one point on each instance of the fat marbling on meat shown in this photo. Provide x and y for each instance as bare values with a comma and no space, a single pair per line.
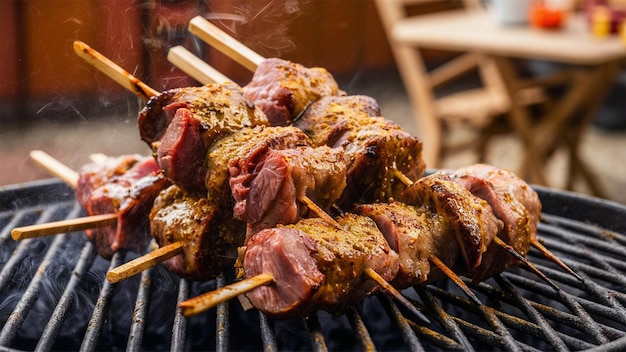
317,266
126,186
181,124
283,89
268,185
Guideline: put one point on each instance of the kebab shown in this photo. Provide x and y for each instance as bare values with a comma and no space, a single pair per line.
446,222
212,35
180,124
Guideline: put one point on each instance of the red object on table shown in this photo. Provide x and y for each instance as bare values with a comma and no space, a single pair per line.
542,16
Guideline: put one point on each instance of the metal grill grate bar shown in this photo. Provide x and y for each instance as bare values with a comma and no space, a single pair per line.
315,332
407,333
140,312
30,295
222,321
360,329
267,334
448,323
51,331
180,323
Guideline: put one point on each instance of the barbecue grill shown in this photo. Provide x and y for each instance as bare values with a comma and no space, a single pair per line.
55,297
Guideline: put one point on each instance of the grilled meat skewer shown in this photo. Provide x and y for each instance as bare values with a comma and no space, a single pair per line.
268,186
370,142
316,266
180,125
283,89
125,186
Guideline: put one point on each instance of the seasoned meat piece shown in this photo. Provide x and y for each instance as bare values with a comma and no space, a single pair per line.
329,118
471,218
267,186
94,175
415,235
113,188
507,182
283,89
316,266
181,124
506,193
247,141
209,233
374,149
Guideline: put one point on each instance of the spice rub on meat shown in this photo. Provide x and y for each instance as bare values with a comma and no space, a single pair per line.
241,144
415,234
209,233
125,186
317,266
181,124
283,89
469,217
375,148
513,201
268,186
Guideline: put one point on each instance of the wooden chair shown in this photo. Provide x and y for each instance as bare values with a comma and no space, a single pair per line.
478,108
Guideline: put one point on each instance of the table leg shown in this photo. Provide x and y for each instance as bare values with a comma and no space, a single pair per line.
572,115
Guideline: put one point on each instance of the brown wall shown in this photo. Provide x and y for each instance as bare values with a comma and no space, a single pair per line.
38,64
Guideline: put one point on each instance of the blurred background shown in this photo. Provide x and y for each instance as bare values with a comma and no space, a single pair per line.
52,100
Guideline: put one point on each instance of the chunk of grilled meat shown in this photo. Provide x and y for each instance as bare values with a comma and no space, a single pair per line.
374,147
241,144
181,124
327,119
208,231
416,235
283,89
125,186
316,266
268,185
513,201
470,217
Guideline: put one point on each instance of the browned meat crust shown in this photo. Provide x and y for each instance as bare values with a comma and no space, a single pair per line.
209,232
471,218
415,235
514,202
181,124
374,147
125,186
268,186
316,266
283,89
241,144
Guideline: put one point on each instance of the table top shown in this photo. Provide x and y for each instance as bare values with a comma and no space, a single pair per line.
476,31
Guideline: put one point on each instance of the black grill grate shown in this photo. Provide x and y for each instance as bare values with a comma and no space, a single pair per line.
54,295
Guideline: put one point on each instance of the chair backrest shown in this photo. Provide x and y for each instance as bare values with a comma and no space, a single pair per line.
419,81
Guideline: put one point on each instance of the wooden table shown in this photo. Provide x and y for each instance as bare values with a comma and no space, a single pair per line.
591,65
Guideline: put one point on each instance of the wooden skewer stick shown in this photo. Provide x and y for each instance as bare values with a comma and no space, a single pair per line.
525,261
115,72
401,176
548,254
70,177
55,167
144,262
394,293
63,226
320,212
194,66
199,304
455,278
223,42
98,158
136,86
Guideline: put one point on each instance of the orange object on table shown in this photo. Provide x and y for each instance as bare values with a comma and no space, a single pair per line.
542,16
